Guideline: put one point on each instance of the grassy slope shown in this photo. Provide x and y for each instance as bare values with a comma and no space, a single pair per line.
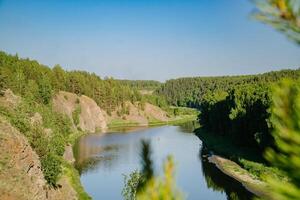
184,115
20,116
247,162
152,122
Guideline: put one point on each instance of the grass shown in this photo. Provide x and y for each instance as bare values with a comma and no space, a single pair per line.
249,159
121,123
74,179
182,118
115,123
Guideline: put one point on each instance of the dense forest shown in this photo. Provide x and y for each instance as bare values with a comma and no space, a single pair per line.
27,77
260,112
190,91
36,84
141,84
233,106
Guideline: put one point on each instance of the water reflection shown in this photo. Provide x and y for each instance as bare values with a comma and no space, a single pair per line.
90,154
188,127
103,159
218,181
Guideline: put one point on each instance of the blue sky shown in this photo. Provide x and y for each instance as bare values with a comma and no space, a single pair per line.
145,39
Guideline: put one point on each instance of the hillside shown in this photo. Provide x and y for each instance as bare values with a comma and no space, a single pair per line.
31,137
21,162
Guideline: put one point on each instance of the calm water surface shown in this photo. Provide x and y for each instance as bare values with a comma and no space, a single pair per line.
103,160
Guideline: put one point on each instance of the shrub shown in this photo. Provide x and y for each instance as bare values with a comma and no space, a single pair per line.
38,140
131,183
57,144
51,165
75,115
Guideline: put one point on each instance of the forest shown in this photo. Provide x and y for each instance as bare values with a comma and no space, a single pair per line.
141,84
29,78
233,106
259,112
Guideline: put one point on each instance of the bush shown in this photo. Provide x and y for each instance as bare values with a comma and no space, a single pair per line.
51,165
131,183
38,140
62,124
75,115
57,144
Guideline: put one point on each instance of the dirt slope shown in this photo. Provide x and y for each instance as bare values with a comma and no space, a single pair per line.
91,117
19,166
135,113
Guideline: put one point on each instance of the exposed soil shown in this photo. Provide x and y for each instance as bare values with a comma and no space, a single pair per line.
91,117
141,116
233,170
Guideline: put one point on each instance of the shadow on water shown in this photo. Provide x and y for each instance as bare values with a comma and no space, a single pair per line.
118,153
188,127
89,156
218,181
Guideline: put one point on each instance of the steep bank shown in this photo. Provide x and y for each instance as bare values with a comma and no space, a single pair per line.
26,127
21,169
87,116
23,133
83,111
233,170
241,163
20,166
137,114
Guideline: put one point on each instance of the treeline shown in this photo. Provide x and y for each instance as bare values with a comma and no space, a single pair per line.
233,106
142,84
29,78
190,91
241,114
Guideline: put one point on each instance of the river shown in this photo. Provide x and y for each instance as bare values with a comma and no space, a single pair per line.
102,161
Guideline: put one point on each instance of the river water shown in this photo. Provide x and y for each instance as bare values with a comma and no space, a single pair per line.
102,161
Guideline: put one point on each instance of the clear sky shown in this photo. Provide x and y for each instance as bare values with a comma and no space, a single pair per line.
145,39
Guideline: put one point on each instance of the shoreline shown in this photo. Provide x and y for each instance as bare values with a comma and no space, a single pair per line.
226,160
241,175
73,174
173,121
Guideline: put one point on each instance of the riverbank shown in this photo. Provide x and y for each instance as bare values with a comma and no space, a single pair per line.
233,170
119,123
243,164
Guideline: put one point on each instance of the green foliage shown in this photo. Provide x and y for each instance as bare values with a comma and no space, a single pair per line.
241,112
175,111
131,184
45,90
49,135
76,114
162,188
144,185
32,91
286,118
283,15
74,179
2,83
141,84
38,140
157,100
155,188
61,124
248,158
51,166
190,92
57,144
24,76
